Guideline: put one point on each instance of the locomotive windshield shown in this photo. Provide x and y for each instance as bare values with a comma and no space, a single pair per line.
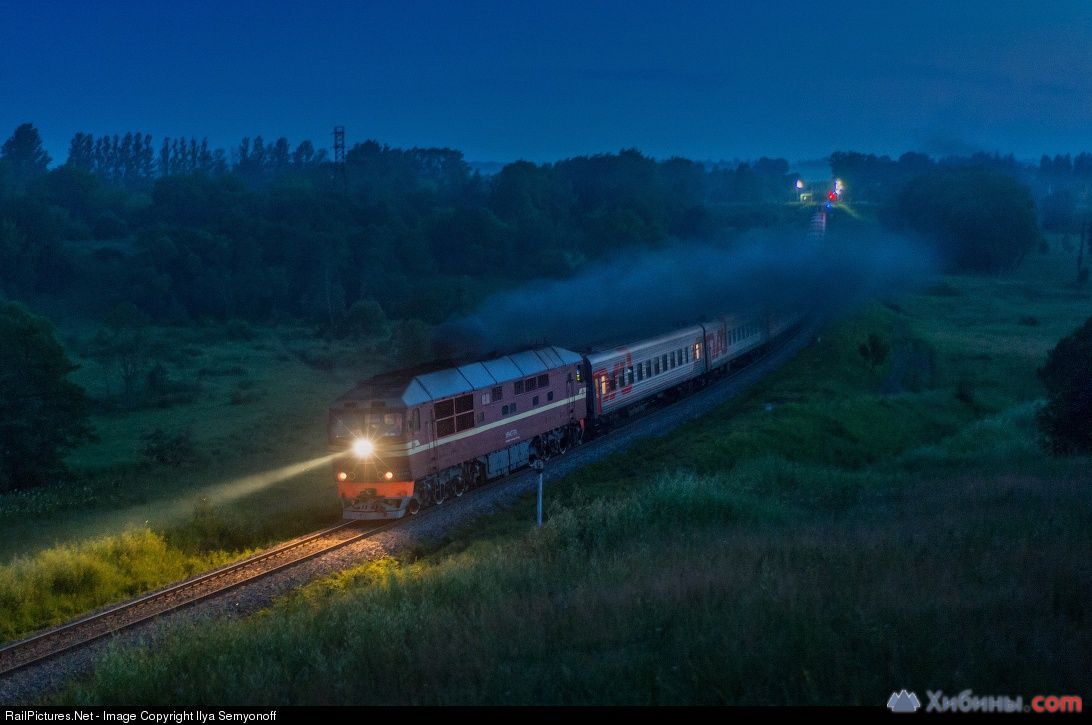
384,424
346,425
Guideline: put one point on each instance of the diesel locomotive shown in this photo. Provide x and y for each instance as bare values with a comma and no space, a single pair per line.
418,437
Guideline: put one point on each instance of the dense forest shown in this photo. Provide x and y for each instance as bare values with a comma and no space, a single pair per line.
274,231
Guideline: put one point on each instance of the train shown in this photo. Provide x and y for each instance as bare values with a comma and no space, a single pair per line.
418,437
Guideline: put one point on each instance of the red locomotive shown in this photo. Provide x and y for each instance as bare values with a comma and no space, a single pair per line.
414,438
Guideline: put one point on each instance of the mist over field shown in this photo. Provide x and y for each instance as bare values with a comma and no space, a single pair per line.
648,292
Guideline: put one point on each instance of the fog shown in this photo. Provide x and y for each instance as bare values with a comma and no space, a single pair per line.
639,294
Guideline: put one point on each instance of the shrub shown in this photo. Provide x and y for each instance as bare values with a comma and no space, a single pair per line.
1066,420
169,449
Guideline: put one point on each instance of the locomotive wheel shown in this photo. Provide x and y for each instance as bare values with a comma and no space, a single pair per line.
413,507
439,494
458,486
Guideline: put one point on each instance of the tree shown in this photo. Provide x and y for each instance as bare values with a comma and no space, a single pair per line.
122,346
24,154
1066,420
42,412
980,220
873,350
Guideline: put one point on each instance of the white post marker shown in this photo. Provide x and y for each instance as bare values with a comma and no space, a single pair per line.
539,464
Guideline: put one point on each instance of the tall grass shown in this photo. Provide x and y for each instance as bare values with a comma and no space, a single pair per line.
62,582
837,533
643,598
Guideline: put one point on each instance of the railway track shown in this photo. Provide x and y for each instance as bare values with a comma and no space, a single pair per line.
95,626
73,635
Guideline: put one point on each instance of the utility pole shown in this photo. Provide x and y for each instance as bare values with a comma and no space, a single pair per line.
339,155
539,465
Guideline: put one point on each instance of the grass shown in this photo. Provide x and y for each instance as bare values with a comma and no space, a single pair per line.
837,533
114,505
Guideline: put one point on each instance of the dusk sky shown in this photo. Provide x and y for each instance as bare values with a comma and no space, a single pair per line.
507,80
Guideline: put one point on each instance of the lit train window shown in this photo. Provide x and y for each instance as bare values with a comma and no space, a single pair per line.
602,385
697,351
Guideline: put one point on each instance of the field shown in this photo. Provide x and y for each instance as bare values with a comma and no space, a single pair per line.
842,531
123,524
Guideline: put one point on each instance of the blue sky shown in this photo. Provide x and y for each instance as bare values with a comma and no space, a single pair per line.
541,81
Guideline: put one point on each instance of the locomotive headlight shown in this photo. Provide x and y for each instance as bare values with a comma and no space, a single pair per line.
388,475
362,447
342,476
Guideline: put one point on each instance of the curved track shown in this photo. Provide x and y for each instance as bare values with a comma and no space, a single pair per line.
80,632
122,616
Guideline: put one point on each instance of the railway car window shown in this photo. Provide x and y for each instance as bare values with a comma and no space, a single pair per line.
444,409
550,396
640,372
663,362
519,387
486,398
534,401
464,403
464,421
497,394
648,368
543,381
697,351
445,427
529,384
656,369
629,375
602,385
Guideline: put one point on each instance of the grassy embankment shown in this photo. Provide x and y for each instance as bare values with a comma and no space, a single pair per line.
122,524
837,533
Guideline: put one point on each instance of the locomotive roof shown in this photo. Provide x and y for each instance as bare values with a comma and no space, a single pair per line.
435,381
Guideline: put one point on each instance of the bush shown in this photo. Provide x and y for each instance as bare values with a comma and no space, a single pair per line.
42,413
1066,420
169,449
980,220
